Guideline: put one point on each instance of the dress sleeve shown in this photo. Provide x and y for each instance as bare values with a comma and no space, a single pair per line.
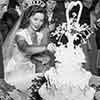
21,41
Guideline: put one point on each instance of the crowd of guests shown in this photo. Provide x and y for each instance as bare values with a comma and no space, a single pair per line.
31,48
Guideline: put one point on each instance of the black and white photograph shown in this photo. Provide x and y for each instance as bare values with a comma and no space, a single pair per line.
49,49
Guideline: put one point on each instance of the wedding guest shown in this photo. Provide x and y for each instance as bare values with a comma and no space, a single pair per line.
89,48
51,9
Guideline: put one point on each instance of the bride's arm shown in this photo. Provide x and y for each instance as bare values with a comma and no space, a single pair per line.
28,49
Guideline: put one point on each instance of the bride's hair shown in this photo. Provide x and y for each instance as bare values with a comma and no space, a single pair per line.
32,10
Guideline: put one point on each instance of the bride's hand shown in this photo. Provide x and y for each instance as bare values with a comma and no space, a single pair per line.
51,47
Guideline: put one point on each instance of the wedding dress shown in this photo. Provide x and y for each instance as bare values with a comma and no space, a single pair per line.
20,70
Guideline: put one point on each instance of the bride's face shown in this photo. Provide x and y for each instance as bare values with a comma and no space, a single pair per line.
36,21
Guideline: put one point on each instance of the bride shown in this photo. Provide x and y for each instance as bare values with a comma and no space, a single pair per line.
30,40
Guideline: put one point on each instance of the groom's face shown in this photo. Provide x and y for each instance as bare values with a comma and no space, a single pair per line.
66,3
88,3
51,4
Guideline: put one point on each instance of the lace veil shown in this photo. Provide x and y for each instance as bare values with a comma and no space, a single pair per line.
8,45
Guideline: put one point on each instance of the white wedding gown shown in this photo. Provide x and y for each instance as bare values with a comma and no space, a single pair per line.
20,70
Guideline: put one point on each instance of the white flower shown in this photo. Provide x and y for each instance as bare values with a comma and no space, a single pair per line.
51,47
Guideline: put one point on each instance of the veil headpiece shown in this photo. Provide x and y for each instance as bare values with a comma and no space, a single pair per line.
28,3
